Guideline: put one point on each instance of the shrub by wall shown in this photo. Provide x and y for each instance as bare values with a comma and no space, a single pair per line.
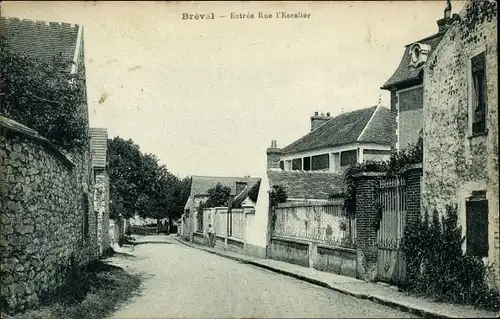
436,266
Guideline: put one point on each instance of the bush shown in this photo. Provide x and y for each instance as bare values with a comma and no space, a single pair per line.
436,266
45,97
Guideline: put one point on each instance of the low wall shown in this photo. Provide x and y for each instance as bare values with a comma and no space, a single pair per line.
47,221
199,239
236,245
291,251
337,260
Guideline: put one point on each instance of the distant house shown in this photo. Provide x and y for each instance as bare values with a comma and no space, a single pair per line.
460,111
98,148
406,87
335,143
199,193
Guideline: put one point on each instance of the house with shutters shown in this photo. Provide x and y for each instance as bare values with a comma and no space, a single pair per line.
335,143
406,86
460,128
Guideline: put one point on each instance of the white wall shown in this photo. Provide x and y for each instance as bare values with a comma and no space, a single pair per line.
256,224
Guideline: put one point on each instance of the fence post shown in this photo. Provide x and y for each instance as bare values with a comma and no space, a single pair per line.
413,177
313,254
366,231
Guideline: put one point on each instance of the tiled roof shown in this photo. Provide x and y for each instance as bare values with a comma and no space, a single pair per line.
98,146
306,184
346,129
241,196
201,184
39,39
405,72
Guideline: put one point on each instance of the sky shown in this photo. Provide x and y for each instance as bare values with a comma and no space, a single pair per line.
208,96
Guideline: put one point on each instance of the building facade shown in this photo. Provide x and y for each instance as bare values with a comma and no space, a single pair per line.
406,87
99,146
460,111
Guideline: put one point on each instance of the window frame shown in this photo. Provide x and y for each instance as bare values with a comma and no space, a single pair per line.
471,249
473,69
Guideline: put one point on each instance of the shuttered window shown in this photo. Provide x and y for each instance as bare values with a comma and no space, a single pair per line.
477,226
478,94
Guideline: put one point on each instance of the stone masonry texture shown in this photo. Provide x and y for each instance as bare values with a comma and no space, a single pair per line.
455,162
101,206
41,218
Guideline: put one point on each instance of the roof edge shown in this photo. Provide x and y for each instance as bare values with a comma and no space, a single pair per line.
368,123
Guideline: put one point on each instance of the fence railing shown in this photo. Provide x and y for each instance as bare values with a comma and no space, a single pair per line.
392,202
324,222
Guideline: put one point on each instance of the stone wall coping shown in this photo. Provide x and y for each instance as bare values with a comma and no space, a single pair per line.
292,239
235,239
369,174
345,249
316,242
24,131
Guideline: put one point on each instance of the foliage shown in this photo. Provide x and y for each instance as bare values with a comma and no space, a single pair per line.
45,97
436,266
140,185
254,192
219,196
277,195
91,292
397,162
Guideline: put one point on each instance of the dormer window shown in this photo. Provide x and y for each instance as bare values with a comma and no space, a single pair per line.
418,54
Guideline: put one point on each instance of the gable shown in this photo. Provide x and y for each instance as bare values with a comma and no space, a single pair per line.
406,75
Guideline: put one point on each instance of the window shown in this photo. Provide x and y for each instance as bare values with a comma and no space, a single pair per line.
320,162
297,164
282,165
348,158
85,205
478,112
307,163
477,225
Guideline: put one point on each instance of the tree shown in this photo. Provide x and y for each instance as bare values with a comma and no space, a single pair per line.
44,96
218,196
124,171
140,185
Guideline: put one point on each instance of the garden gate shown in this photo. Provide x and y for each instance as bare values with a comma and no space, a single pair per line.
392,209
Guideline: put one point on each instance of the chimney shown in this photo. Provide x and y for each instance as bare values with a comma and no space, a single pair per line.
317,120
273,156
444,23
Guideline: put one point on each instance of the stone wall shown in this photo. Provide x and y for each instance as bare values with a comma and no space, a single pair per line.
456,163
43,197
101,206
